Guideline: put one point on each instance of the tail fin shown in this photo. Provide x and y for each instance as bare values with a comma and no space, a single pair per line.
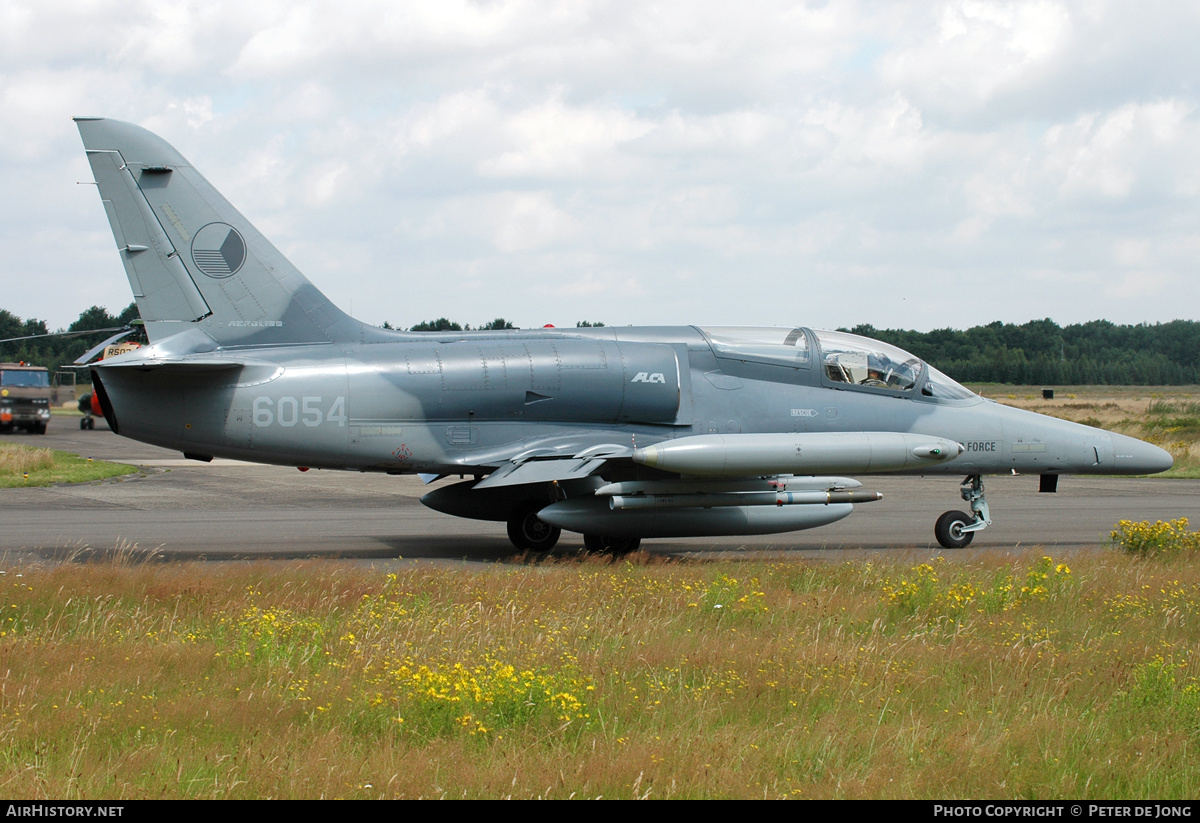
192,259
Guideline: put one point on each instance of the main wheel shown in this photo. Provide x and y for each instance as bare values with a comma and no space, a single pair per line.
616,546
949,530
527,532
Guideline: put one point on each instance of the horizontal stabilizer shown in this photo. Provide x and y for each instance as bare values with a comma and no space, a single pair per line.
195,363
83,359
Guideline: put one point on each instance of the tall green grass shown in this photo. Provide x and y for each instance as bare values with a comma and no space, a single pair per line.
1038,678
32,466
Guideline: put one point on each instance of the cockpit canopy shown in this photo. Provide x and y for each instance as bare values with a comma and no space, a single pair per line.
763,344
861,361
844,358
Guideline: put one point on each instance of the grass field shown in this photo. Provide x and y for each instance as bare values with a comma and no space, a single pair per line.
1050,677
1168,416
974,677
32,466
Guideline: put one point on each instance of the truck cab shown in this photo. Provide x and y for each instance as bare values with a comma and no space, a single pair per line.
24,397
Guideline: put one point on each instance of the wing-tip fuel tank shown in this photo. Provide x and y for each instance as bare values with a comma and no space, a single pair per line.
620,433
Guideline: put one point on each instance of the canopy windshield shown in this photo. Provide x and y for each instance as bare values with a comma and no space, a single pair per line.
760,343
861,361
940,386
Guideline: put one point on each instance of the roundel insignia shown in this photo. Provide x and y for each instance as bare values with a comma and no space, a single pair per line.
218,250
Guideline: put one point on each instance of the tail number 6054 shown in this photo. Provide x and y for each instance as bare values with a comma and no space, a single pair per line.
288,411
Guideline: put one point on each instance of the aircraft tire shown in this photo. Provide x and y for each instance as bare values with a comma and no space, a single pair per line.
528,533
949,530
83,424
616,546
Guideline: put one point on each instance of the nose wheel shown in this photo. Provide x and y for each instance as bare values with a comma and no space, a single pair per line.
949,530
955,529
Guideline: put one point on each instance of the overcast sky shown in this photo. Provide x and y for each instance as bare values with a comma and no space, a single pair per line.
905,164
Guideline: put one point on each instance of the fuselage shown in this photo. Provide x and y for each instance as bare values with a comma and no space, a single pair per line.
465,402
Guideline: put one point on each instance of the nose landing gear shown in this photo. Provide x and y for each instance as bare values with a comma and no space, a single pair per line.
955,529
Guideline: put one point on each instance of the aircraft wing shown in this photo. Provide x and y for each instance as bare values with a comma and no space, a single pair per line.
738,456
540,471
546,463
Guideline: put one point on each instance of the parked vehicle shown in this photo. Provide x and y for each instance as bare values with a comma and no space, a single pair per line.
24,397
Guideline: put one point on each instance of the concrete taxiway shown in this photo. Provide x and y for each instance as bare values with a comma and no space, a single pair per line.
227,509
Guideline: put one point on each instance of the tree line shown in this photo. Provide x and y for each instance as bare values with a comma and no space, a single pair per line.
1042,352
57,351
1033,353
442,324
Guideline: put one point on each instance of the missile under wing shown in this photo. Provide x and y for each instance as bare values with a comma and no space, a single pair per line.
617,433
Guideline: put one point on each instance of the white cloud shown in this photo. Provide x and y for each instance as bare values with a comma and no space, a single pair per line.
555,140
1140,285
530,221
594,284
1107,154
969,51
887,136
470,149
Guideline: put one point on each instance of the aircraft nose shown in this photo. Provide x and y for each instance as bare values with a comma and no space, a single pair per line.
1134,456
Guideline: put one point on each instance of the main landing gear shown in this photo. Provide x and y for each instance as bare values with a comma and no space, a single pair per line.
88,422
955,529
529,533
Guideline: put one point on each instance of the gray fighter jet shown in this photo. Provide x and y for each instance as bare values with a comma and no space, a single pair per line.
617,433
